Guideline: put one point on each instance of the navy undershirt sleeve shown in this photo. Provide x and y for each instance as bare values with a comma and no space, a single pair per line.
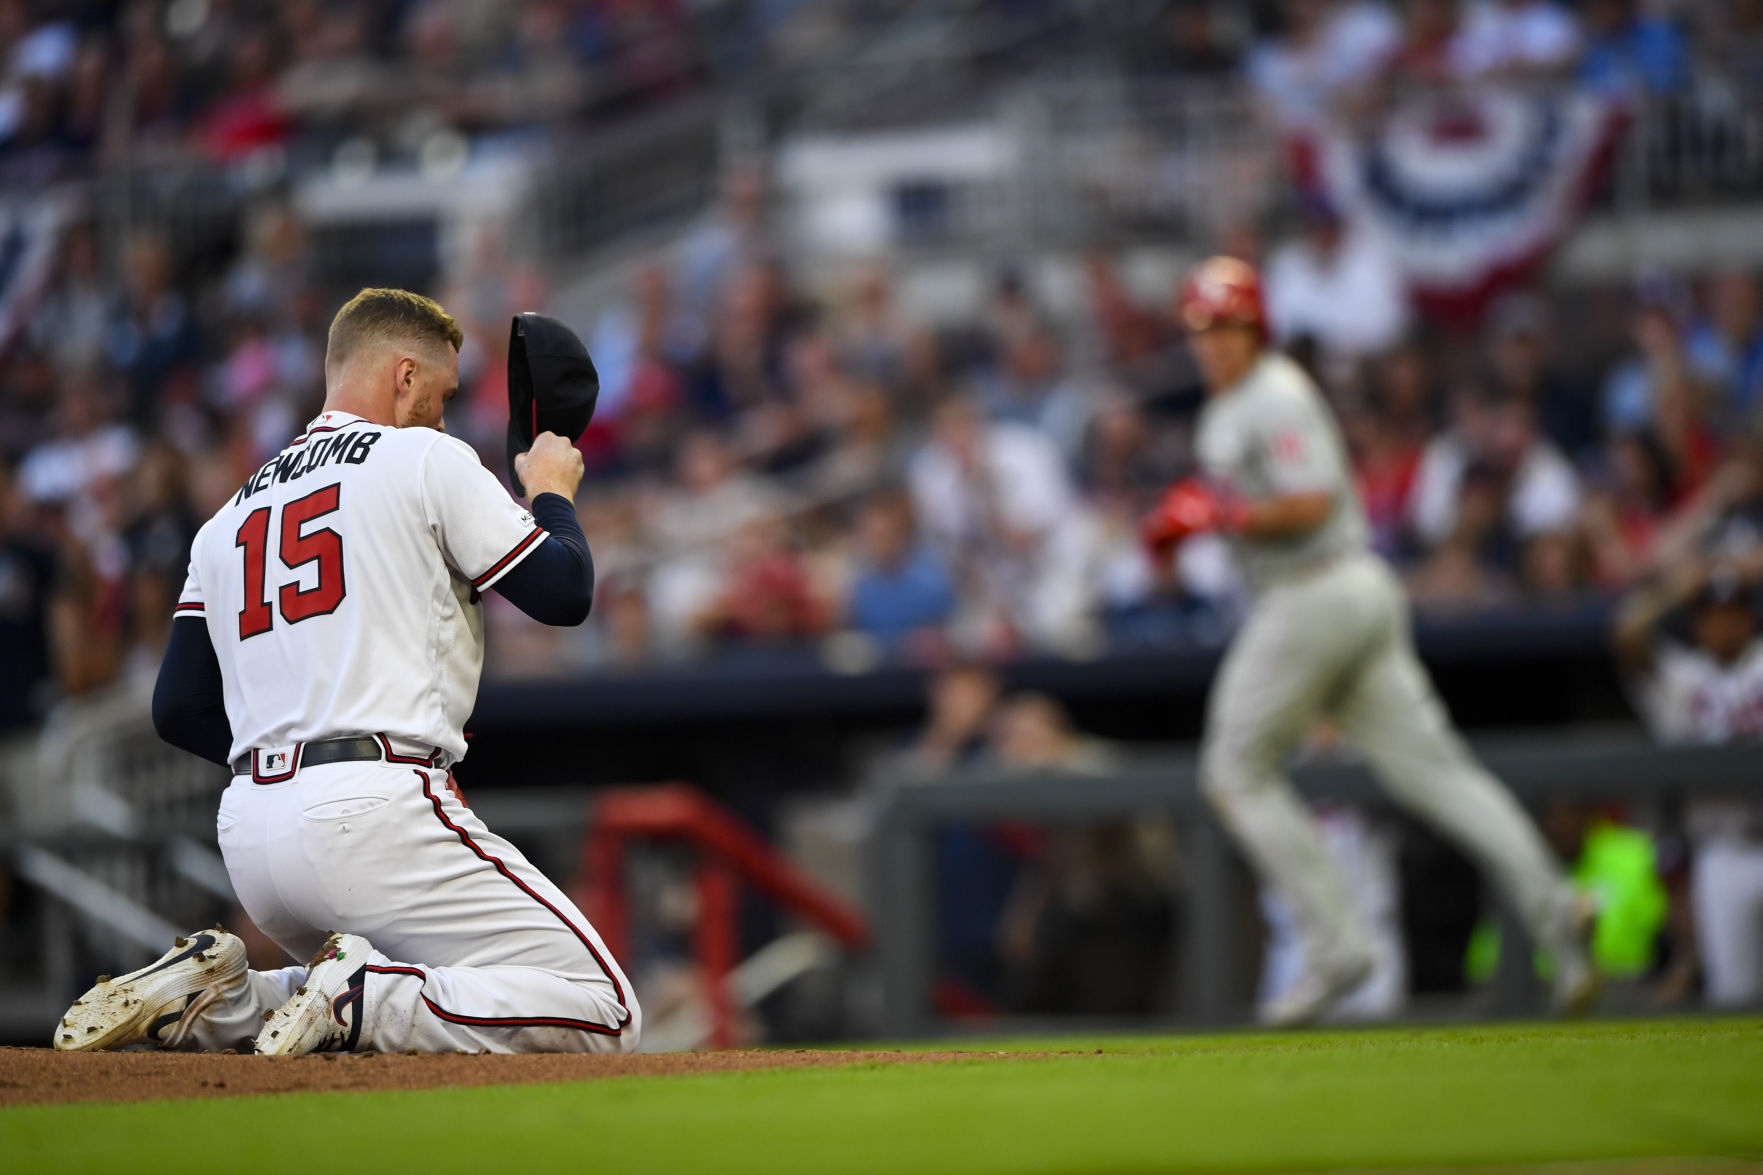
554,584
189,706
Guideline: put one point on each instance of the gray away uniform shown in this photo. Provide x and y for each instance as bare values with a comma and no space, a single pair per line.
1328,636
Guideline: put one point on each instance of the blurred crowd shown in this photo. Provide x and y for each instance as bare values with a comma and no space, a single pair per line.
798,466
284,83
779,464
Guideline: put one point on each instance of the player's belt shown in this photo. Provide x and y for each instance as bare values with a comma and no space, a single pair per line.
365,748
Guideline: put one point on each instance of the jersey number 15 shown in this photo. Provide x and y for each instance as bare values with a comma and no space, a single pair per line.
323,546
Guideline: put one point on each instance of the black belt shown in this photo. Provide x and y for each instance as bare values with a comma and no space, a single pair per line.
365,748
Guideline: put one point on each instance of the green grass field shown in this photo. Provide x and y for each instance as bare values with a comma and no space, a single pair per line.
1421,1098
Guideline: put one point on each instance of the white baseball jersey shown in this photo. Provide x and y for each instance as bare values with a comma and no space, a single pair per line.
1691,697
340,586
1272,435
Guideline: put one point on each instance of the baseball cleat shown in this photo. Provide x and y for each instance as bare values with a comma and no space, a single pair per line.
1317,990
325,1013
1577,983
158,1003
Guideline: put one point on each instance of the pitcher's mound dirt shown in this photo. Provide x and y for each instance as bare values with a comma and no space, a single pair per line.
37,1076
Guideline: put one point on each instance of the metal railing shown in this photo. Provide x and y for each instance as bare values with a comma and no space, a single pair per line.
649,174
1101,158
1210,986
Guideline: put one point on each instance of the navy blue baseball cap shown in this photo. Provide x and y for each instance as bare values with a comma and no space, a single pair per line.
552,385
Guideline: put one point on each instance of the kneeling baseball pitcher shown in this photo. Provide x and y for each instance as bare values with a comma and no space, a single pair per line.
327,647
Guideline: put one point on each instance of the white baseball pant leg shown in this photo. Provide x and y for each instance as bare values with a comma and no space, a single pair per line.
1338,643
1396,720
1726,891
474,948
1300,641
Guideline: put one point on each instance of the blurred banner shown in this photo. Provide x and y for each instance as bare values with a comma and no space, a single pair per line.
1470,189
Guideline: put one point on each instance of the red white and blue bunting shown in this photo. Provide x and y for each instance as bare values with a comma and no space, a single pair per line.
1470,191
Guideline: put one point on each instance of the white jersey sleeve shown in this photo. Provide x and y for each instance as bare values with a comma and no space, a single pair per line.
482,532
191,601
1295,447
1270,436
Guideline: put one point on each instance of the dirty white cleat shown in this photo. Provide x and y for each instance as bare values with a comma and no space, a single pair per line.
325,1013
1577,983
1323,984
158,1003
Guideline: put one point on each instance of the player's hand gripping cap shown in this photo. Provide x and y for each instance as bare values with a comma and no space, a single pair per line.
1220,291
552,385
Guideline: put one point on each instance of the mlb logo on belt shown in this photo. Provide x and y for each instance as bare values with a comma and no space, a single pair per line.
275,764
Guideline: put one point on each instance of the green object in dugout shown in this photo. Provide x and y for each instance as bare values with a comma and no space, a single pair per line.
1618,866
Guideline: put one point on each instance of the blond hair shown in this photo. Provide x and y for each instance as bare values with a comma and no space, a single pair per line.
387,316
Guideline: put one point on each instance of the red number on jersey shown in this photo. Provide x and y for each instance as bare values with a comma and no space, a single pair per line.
254,618
324,546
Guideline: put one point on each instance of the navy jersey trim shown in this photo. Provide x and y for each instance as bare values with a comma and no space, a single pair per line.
502,564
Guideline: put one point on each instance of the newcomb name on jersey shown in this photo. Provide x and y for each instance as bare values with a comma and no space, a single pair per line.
340,585
1273,435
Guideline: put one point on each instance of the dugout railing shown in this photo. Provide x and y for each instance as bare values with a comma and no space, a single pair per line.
1209,975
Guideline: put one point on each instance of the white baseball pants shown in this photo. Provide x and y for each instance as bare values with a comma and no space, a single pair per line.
474,948
1338,644
1726,890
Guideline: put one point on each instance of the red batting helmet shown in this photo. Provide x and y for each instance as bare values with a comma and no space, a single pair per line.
1223,290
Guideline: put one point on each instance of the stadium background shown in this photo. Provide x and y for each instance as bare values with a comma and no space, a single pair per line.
816,249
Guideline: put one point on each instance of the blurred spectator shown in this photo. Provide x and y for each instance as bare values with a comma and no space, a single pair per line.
1726,350
1537,487
1130,334
1522,362
28,575
152,332
735,237
767,595
1029,386
959,702
71,324
1321,51
1087,929
87,445
996,500
1709,688
1629,51
1658,391
1617,866
1468,569
866,447
1515,38
1428,36
157,537
976,868
1188,45
902,593
1619,863
1624,511
876,340
1336,286
1386,436
247,117
715,502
